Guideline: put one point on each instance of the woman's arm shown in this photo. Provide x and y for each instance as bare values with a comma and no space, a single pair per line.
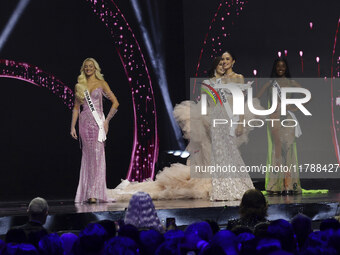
114,106
75,114
239,129
263,89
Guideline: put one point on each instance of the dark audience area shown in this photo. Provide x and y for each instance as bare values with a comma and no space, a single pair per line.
141,232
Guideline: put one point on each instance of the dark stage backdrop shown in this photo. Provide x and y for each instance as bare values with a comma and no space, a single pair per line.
39,157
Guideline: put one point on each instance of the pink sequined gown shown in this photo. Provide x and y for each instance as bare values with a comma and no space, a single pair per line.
92,179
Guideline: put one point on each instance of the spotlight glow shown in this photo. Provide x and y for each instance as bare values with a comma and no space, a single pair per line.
12,22
177,153
185,154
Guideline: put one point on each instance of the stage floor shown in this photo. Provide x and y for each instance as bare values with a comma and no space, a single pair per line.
66,215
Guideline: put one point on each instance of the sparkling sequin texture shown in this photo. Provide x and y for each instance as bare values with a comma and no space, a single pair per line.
92,179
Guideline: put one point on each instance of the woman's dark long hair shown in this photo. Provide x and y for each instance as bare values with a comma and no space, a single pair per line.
274,73
253,204
211,72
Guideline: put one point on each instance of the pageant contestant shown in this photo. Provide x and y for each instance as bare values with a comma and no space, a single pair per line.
224,151
93,127
281,139
207,146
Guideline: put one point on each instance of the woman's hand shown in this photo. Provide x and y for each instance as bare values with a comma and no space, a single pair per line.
106,126
74,133
239,130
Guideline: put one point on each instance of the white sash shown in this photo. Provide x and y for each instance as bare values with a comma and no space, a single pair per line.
100,122
298,131
235,118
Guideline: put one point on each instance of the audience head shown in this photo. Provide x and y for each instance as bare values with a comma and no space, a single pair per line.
68,240
174,235
149,241
335,241
129,231
38,210
213,249
227,240
302,226
253,204
141,213
268,245
329,224
109,226
23,249
317,238
120,246
214,226
282,230
169,248
51,245
201,229
92,239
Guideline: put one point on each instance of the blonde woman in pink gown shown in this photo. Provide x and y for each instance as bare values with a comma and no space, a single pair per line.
93,128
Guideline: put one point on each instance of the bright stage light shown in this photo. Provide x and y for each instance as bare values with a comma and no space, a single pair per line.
158,65
12,22
185,154
177,153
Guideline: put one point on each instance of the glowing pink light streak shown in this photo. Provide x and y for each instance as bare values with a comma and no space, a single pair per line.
255,73
36,76
301,54
145,143
334,134
230,13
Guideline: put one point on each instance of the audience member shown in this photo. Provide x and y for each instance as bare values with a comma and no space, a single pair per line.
150,240
302,226
169,248
142,214
91,239
26,249
68,240
253,210
37,214
120,246
142,233
51,245
227,241
110,228
329,224
129,231
283,231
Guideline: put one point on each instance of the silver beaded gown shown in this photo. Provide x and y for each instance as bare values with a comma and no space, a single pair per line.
207,147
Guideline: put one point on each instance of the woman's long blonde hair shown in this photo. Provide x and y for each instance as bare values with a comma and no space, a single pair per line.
81,86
